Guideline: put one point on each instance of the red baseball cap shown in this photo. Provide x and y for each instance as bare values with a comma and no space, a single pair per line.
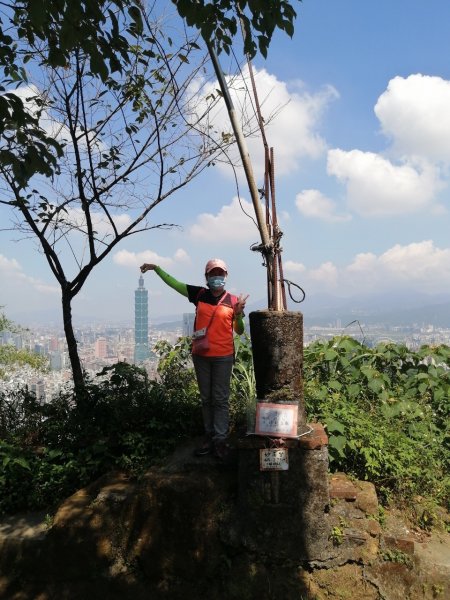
215,263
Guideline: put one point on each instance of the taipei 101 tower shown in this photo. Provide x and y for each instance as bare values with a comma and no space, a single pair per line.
141,351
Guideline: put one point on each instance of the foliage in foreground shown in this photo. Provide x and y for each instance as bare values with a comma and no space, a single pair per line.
49,451
129,422
386,410
387,414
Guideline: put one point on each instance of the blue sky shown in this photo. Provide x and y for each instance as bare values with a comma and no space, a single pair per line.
362,156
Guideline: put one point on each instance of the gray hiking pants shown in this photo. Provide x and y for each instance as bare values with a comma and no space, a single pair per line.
213,377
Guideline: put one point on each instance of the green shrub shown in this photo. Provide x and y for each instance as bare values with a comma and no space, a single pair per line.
127,421
243,384
386,410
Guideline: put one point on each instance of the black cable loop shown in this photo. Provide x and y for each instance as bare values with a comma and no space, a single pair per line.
289,283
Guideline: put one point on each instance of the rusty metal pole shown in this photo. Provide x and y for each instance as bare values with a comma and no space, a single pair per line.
275,283
266,198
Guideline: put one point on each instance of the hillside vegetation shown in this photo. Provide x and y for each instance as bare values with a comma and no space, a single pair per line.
386,410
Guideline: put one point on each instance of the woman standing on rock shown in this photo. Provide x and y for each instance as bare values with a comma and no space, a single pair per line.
218,314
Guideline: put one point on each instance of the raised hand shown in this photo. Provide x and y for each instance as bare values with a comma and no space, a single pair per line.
240,304
147,267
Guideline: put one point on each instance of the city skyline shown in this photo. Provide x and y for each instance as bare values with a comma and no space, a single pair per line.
101,345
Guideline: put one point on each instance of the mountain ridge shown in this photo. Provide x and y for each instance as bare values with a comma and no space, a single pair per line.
405,309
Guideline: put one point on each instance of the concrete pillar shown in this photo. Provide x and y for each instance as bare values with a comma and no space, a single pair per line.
283,512
277,344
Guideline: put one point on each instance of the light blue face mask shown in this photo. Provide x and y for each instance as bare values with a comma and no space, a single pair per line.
216,283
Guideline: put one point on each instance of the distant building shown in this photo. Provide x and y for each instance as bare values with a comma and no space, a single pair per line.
57,360
39,349
53,345
188,323
101,349
141,351
38,389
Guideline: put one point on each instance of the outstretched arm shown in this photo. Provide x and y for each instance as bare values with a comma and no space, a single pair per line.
178,286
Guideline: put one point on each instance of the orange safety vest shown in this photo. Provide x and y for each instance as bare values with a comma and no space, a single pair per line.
220,330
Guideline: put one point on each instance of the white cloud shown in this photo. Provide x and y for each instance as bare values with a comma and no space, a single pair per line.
313,204
292,132
9,265
363,274
43,288
291,116
229,224
29,94
418,262
291,266
182,256
11,271
420,265
100,223
365,262
415,113
376,187
417,266
325,275
55,128
134,260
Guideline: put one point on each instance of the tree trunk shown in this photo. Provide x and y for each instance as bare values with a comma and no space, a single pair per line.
75,363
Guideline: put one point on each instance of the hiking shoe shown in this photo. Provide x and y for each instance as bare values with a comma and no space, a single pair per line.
222,450
204,449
